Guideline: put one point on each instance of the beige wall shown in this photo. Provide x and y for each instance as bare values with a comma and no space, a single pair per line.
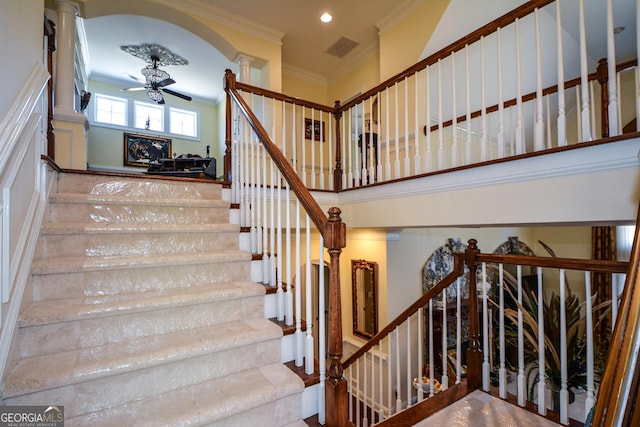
105,145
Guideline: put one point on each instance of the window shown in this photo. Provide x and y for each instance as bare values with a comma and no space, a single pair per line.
111,110
183,122
148,116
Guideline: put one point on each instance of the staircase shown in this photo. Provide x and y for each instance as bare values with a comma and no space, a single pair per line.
142,312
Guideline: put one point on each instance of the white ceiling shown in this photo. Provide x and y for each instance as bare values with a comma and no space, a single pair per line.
304,40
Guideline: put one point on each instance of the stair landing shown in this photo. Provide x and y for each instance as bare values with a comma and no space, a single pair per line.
480,409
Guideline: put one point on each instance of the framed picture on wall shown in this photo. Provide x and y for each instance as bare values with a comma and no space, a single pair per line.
139,150
312,129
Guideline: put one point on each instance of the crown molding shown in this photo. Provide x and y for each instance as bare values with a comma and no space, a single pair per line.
404,9
221,16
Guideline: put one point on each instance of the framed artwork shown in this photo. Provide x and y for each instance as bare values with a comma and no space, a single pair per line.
139,150
312,129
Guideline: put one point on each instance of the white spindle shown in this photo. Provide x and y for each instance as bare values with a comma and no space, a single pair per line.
397,147
542,376
501,148
539,141
520,143
548,122
420,355
397,358
483,84
387,169
584,78
279,290
365,409
562,120
313,149
308,297
468,106
299,336
363,151
417,162
613,81
389,388
458,332
502,372
349,152
358,392
579,114
445,376
380,383
409,375
350,391
344,141
521,381
441,154
454,119
252,205
431,348
427,129
590,400
378,149
619,104
303,158
407,160
592,85
564,392
486,367
272,225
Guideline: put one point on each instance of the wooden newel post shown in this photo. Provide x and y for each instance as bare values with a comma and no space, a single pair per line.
229,83
336,397
337,172
474,353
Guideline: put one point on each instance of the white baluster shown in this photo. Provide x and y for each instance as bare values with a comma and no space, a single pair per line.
548,122
431,356
486,367
308,368
298,306
389,388
350,392
428,154
441,153
387,170
278,272
468,119
613,81
483,84
363,149
522,397
562,120
501,147
378,149
420,355
458,332
372,149
365,419
272,225
320,143
542,375
265,228
322,357
398,392
579,114
502,372
409,375
445,333
407,160
349,152
313,149
564,392
590,400
303,159
381,393
344,140
454,119
358,392
417,162
584,78
397,146
520,143
539,141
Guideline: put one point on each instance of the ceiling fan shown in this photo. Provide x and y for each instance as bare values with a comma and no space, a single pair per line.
156,79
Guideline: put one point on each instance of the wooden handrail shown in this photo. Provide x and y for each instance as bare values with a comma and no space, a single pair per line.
490,28
282,97
297,186
598,266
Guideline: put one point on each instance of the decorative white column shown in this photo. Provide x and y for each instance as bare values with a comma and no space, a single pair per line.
65,52
70,126
245,67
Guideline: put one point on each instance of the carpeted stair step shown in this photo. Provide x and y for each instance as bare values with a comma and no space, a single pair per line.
265,396
75,277
108,239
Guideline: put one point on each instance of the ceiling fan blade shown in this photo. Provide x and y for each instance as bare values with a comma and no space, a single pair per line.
135,77
179,95
133,89
166,82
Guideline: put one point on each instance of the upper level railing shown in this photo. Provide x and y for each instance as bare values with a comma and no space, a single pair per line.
548,75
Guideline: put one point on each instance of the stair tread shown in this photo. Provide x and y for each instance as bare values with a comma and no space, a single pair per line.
68,309
202,403
138,200
76,366
92,263
125,228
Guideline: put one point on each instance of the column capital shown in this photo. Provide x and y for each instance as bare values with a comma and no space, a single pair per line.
68,6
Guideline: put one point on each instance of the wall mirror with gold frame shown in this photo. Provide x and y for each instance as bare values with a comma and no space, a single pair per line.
364,284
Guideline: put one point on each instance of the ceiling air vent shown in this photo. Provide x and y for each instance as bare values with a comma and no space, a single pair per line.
342,47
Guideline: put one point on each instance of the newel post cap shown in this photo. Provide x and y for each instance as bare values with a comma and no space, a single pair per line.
335,231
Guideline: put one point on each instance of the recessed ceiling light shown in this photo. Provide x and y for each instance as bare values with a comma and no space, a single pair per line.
326,17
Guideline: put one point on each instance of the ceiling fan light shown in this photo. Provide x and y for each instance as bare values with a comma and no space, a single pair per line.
155,95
